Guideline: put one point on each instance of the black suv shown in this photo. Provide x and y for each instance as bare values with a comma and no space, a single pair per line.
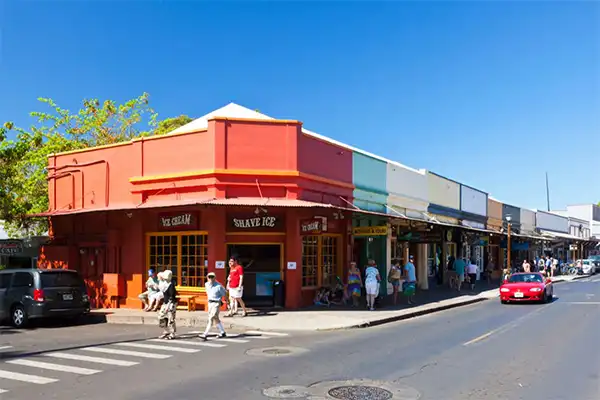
38,293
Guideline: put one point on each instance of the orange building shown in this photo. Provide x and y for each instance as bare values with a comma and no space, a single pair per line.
265,189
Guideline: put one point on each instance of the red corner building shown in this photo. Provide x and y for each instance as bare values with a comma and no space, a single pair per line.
231,182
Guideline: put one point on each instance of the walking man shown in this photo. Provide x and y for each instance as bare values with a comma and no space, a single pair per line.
235,285
214,292
410,283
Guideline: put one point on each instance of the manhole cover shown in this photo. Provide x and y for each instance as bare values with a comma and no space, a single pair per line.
276,352
360,393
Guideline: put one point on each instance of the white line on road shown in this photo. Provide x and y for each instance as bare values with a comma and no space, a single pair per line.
54,367
15,376
4,348
231,340
157,347
190,342
267,333
98,360
3,391
126,352
583,302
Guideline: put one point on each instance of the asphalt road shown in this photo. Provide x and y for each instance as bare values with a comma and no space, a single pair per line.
482,351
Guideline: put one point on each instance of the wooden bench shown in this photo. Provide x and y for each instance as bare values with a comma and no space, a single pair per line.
194,298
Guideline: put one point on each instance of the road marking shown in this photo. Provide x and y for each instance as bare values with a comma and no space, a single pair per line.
506,327
583,302
15,376
231,340
190,342
4,348
479,338
267,333
3,391
126,352
157,347
54,367
99,360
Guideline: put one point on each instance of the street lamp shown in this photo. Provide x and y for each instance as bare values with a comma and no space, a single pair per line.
508,219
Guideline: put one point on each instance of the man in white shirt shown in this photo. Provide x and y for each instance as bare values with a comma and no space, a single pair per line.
472,273
215,293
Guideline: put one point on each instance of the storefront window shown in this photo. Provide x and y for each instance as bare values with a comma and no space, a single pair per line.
320,260
185,254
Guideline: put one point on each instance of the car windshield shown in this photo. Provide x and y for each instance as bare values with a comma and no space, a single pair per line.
60,279
586,262
526,278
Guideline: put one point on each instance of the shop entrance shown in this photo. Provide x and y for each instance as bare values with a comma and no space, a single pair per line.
263,264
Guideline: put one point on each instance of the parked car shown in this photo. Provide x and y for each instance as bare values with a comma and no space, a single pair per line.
522,287
596,260
27,294
587,266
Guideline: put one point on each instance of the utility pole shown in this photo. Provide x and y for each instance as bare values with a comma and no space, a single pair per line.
547,192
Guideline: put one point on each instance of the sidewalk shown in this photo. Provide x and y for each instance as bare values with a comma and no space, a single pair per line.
324,319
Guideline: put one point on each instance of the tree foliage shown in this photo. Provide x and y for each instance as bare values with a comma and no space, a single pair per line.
24,159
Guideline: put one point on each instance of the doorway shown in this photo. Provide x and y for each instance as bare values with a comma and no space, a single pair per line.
263,264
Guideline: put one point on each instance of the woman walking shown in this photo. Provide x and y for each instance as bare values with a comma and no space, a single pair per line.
166,314
372,279
355,284
394,278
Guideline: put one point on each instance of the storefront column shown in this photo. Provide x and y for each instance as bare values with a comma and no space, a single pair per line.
217,250
388,257
293,253
422,273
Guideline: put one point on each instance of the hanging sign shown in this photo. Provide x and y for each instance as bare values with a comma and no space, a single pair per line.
370,230
261,222
178,221
10,248
311,226
573,247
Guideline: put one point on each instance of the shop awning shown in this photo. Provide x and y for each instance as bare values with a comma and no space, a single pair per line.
559,235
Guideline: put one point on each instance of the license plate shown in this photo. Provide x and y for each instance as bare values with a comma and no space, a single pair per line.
67,297
518,294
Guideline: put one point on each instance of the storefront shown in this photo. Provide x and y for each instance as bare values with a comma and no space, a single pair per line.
555,228
370,241
20,253
473,207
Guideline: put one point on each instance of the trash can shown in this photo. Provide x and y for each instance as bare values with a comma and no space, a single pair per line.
278,294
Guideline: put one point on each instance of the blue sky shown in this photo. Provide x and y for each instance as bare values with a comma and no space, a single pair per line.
492,94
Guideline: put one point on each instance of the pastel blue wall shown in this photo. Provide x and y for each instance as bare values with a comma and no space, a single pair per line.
369,176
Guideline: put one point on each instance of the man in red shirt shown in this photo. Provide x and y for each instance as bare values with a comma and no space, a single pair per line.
235,285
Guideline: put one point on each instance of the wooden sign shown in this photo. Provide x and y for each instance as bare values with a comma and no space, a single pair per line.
177,221
257,222
370,230
9,248
311,226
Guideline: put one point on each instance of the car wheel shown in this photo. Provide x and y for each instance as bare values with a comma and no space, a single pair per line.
18,316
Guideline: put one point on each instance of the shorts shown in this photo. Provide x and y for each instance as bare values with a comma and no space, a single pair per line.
213,311
460,278
236,293
472,278
372,288
156,296
396,283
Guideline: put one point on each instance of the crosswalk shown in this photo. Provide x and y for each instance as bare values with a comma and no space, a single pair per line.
89,361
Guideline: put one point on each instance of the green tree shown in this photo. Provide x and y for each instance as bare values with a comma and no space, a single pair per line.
24,160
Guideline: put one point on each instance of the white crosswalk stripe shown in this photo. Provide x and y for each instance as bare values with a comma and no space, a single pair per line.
15,376
54,367
157,347
98,360
192,342
267,333
164,349
126,352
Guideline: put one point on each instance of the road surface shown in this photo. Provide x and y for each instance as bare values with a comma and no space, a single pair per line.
482,351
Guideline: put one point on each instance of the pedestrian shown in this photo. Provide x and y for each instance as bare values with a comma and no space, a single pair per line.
157,297
394,278
553,267
166,314
151,289
459,267
526,266
410,285
215,293
372,279
472,272
489,270
355,283
235,285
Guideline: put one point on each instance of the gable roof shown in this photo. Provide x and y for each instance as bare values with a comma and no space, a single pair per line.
233,110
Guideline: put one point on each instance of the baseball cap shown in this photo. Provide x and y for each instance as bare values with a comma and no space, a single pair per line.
211,275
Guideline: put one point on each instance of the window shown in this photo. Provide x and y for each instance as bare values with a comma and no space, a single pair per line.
5,280
320,260
51,279
186,254
22,279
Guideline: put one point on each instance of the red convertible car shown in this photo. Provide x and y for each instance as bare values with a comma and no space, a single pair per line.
526,287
